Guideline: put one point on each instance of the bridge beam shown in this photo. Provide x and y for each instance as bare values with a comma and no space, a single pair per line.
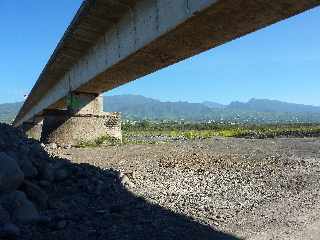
110,43
83,121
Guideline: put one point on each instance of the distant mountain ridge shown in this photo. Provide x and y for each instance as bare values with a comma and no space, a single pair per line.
8,111
266,105
214,105
139,107
136,107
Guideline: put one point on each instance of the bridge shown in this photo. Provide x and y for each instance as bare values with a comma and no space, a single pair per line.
113,42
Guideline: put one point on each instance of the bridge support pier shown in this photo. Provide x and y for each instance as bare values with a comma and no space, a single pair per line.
83,122
33,128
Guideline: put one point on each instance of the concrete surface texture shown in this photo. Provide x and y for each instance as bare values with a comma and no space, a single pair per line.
85,103
81,121
33,129
110,43
73,129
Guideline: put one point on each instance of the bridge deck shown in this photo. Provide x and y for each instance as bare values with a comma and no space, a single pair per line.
111,43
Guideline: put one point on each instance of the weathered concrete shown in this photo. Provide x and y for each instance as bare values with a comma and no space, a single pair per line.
32,129
65,128
85,103
110,43
81,120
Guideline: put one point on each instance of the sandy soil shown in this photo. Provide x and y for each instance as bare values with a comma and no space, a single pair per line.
252,189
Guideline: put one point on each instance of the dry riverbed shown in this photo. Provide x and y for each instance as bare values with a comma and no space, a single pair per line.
249,188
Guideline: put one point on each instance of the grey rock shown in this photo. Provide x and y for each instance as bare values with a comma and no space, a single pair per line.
52,146
44,183
44,220
13,154
68,146
36,194
9,231
2,142
48,173
24,149
61,224
61,174
28,169
125,181
56,204
11,175
4,216
20,207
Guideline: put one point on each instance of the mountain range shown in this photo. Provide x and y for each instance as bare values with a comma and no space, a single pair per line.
8,111
266,105
136,107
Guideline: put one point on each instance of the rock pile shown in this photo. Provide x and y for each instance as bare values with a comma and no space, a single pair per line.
46,197
24,168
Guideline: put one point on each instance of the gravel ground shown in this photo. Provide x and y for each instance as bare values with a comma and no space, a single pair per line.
249,188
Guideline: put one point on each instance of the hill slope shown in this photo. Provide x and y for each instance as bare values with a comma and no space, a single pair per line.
213,104
137,107
255,111
8,111
266,105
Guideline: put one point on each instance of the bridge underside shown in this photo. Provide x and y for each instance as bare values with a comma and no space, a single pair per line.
84,122
110,43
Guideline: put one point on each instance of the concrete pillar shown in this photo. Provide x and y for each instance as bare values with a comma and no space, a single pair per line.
33,128
83,121
85,103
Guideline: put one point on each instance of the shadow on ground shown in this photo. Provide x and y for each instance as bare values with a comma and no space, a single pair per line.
93,203
84,202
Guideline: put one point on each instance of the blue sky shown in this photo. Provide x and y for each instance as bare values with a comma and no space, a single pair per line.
279,62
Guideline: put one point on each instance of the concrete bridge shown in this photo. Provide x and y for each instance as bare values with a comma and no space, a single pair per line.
112,42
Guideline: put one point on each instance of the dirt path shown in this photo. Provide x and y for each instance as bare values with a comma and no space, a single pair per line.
254,189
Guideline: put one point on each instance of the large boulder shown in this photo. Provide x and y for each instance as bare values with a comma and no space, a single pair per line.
27,168
35,194
9,231
11,175
20,207
61,174
48,172
4,216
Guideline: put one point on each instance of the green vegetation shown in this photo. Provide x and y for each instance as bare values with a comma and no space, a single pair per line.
146,132
208,130
101,141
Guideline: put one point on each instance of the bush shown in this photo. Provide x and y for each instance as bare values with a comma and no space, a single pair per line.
101,141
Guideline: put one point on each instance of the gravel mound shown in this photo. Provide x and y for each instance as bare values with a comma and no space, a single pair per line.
25,168
256,189
46,197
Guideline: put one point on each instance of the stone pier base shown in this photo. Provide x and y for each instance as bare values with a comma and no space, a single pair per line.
63,128
33,129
